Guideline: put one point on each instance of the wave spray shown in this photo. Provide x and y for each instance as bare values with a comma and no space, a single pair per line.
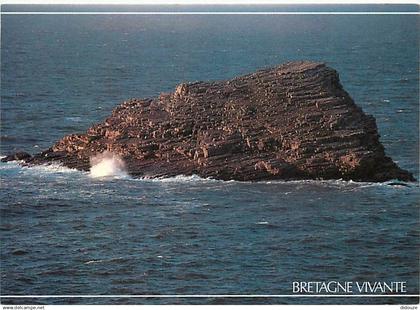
107,164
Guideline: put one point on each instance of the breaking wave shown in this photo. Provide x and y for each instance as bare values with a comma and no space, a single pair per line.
54,168
107,164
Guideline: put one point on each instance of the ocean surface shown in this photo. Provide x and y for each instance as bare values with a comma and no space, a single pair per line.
63,232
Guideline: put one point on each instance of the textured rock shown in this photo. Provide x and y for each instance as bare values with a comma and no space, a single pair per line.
17,156
294,121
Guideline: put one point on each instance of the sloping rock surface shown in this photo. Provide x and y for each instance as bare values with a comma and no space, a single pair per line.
294,121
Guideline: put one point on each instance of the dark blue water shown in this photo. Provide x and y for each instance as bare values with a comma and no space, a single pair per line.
62,232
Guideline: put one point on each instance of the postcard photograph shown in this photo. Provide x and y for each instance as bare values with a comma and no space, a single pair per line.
209,154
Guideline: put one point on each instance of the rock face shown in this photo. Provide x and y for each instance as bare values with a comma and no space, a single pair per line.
294,121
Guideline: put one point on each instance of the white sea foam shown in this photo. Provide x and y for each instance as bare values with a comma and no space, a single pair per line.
54,168
345,184
107,164
109,260
110,165
183,179
94,261
262,223
337,183
38,169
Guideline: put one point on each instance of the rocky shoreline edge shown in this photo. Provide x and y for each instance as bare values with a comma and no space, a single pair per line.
291,122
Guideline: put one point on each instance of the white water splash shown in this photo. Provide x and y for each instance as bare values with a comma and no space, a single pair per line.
110,165
107,165
185,179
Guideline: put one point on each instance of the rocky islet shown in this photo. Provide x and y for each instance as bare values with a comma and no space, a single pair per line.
293,121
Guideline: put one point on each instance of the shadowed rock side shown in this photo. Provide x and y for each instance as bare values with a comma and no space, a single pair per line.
294,121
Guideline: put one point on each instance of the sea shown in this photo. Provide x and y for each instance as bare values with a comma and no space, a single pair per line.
69,238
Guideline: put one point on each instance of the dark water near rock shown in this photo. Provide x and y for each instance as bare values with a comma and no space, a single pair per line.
65,233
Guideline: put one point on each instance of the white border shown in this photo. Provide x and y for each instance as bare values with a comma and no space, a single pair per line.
157,2
210,13
212,296
207,2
